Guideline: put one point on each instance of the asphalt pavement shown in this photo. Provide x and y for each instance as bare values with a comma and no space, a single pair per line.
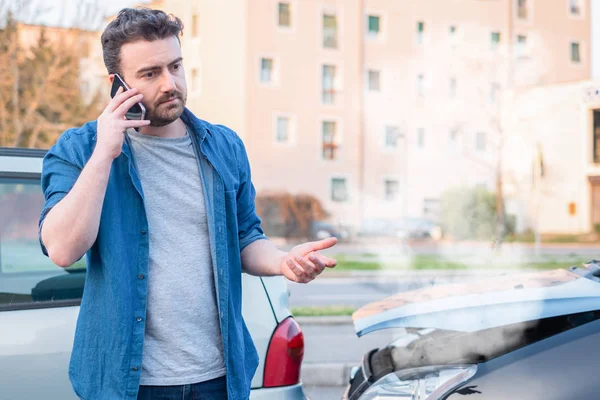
360,290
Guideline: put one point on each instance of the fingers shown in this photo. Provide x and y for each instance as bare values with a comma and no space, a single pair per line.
323,244
299,273
322,261
127,104
120,97
135,123
311,270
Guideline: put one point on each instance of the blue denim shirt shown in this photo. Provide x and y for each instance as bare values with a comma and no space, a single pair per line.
107,352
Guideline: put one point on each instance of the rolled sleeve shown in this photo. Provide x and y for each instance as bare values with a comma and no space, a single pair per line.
59,175
249,223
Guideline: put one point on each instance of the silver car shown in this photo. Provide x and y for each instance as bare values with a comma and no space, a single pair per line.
527,337
39,304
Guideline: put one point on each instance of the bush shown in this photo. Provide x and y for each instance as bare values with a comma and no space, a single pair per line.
471,214
287,215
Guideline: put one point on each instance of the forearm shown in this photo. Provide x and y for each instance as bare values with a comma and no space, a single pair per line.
262,258
71,227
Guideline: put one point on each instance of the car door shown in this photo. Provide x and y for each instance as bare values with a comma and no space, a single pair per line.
39,301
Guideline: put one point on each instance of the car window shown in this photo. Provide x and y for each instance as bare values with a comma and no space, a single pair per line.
28,279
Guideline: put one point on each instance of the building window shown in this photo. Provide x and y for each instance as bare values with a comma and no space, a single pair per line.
521,47
494,89
339,190
330,140
374,81
282,135
575,7
329,84
392,189
330,31
452,87
596,134
453,140
421,138
452,34
431,208
195,26
285,15
420,31
523,9
195,80
266,70
480,142
420,85
575,53
374,25
392,134
495,40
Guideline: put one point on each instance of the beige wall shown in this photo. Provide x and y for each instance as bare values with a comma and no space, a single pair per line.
234,35
299,56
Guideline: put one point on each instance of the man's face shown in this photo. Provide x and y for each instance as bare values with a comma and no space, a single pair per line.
156,70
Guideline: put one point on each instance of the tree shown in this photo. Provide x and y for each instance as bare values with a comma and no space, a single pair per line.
493,74
40,94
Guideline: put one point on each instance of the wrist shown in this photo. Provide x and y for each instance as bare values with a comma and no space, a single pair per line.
102,156
281,259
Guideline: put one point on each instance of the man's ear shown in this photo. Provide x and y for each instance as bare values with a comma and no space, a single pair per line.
111,78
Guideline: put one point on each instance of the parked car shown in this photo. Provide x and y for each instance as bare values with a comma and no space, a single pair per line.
529,336
402,228
322,230
39,304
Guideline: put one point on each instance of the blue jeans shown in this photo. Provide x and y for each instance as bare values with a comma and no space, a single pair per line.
215,389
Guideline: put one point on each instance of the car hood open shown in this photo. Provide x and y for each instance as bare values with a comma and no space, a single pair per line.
479,305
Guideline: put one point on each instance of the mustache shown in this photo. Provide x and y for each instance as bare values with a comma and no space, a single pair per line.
169,96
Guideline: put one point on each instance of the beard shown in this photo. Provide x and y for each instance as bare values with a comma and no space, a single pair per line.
162,114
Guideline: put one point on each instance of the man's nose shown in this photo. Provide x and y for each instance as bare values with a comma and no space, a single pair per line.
168,83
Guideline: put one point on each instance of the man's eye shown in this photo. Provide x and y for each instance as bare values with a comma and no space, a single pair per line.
176,66
148,74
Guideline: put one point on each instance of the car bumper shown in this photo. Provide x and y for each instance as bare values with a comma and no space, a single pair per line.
281,393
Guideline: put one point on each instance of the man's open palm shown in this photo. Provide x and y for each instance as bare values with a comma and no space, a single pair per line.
304,262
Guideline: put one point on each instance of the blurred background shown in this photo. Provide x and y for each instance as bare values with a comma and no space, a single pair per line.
439,140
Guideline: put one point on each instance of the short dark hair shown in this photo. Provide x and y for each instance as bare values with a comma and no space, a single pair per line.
132,25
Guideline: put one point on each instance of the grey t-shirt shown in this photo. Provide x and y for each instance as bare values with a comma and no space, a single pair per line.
182,343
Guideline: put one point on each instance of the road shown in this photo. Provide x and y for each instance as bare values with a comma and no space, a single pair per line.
389,248
356,292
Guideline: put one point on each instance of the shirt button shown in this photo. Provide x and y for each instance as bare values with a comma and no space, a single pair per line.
141,276
143,232
134,368
139,319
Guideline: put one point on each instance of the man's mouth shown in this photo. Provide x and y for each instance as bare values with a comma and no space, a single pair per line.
170,100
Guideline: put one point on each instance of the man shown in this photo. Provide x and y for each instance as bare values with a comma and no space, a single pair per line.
166,216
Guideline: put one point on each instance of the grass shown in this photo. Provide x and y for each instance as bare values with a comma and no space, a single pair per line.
432,262
547,238
322,311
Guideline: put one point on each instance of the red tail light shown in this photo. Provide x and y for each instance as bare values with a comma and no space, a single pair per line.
284,357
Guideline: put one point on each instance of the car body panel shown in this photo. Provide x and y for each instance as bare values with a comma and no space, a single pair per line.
481,305
282,393
552,369
279,295
35,348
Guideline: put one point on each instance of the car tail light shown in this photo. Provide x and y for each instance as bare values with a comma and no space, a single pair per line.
284,356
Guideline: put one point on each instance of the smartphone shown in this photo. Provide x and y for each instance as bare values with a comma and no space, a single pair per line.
137,111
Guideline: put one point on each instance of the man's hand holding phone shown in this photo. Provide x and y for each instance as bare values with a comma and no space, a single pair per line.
112,123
